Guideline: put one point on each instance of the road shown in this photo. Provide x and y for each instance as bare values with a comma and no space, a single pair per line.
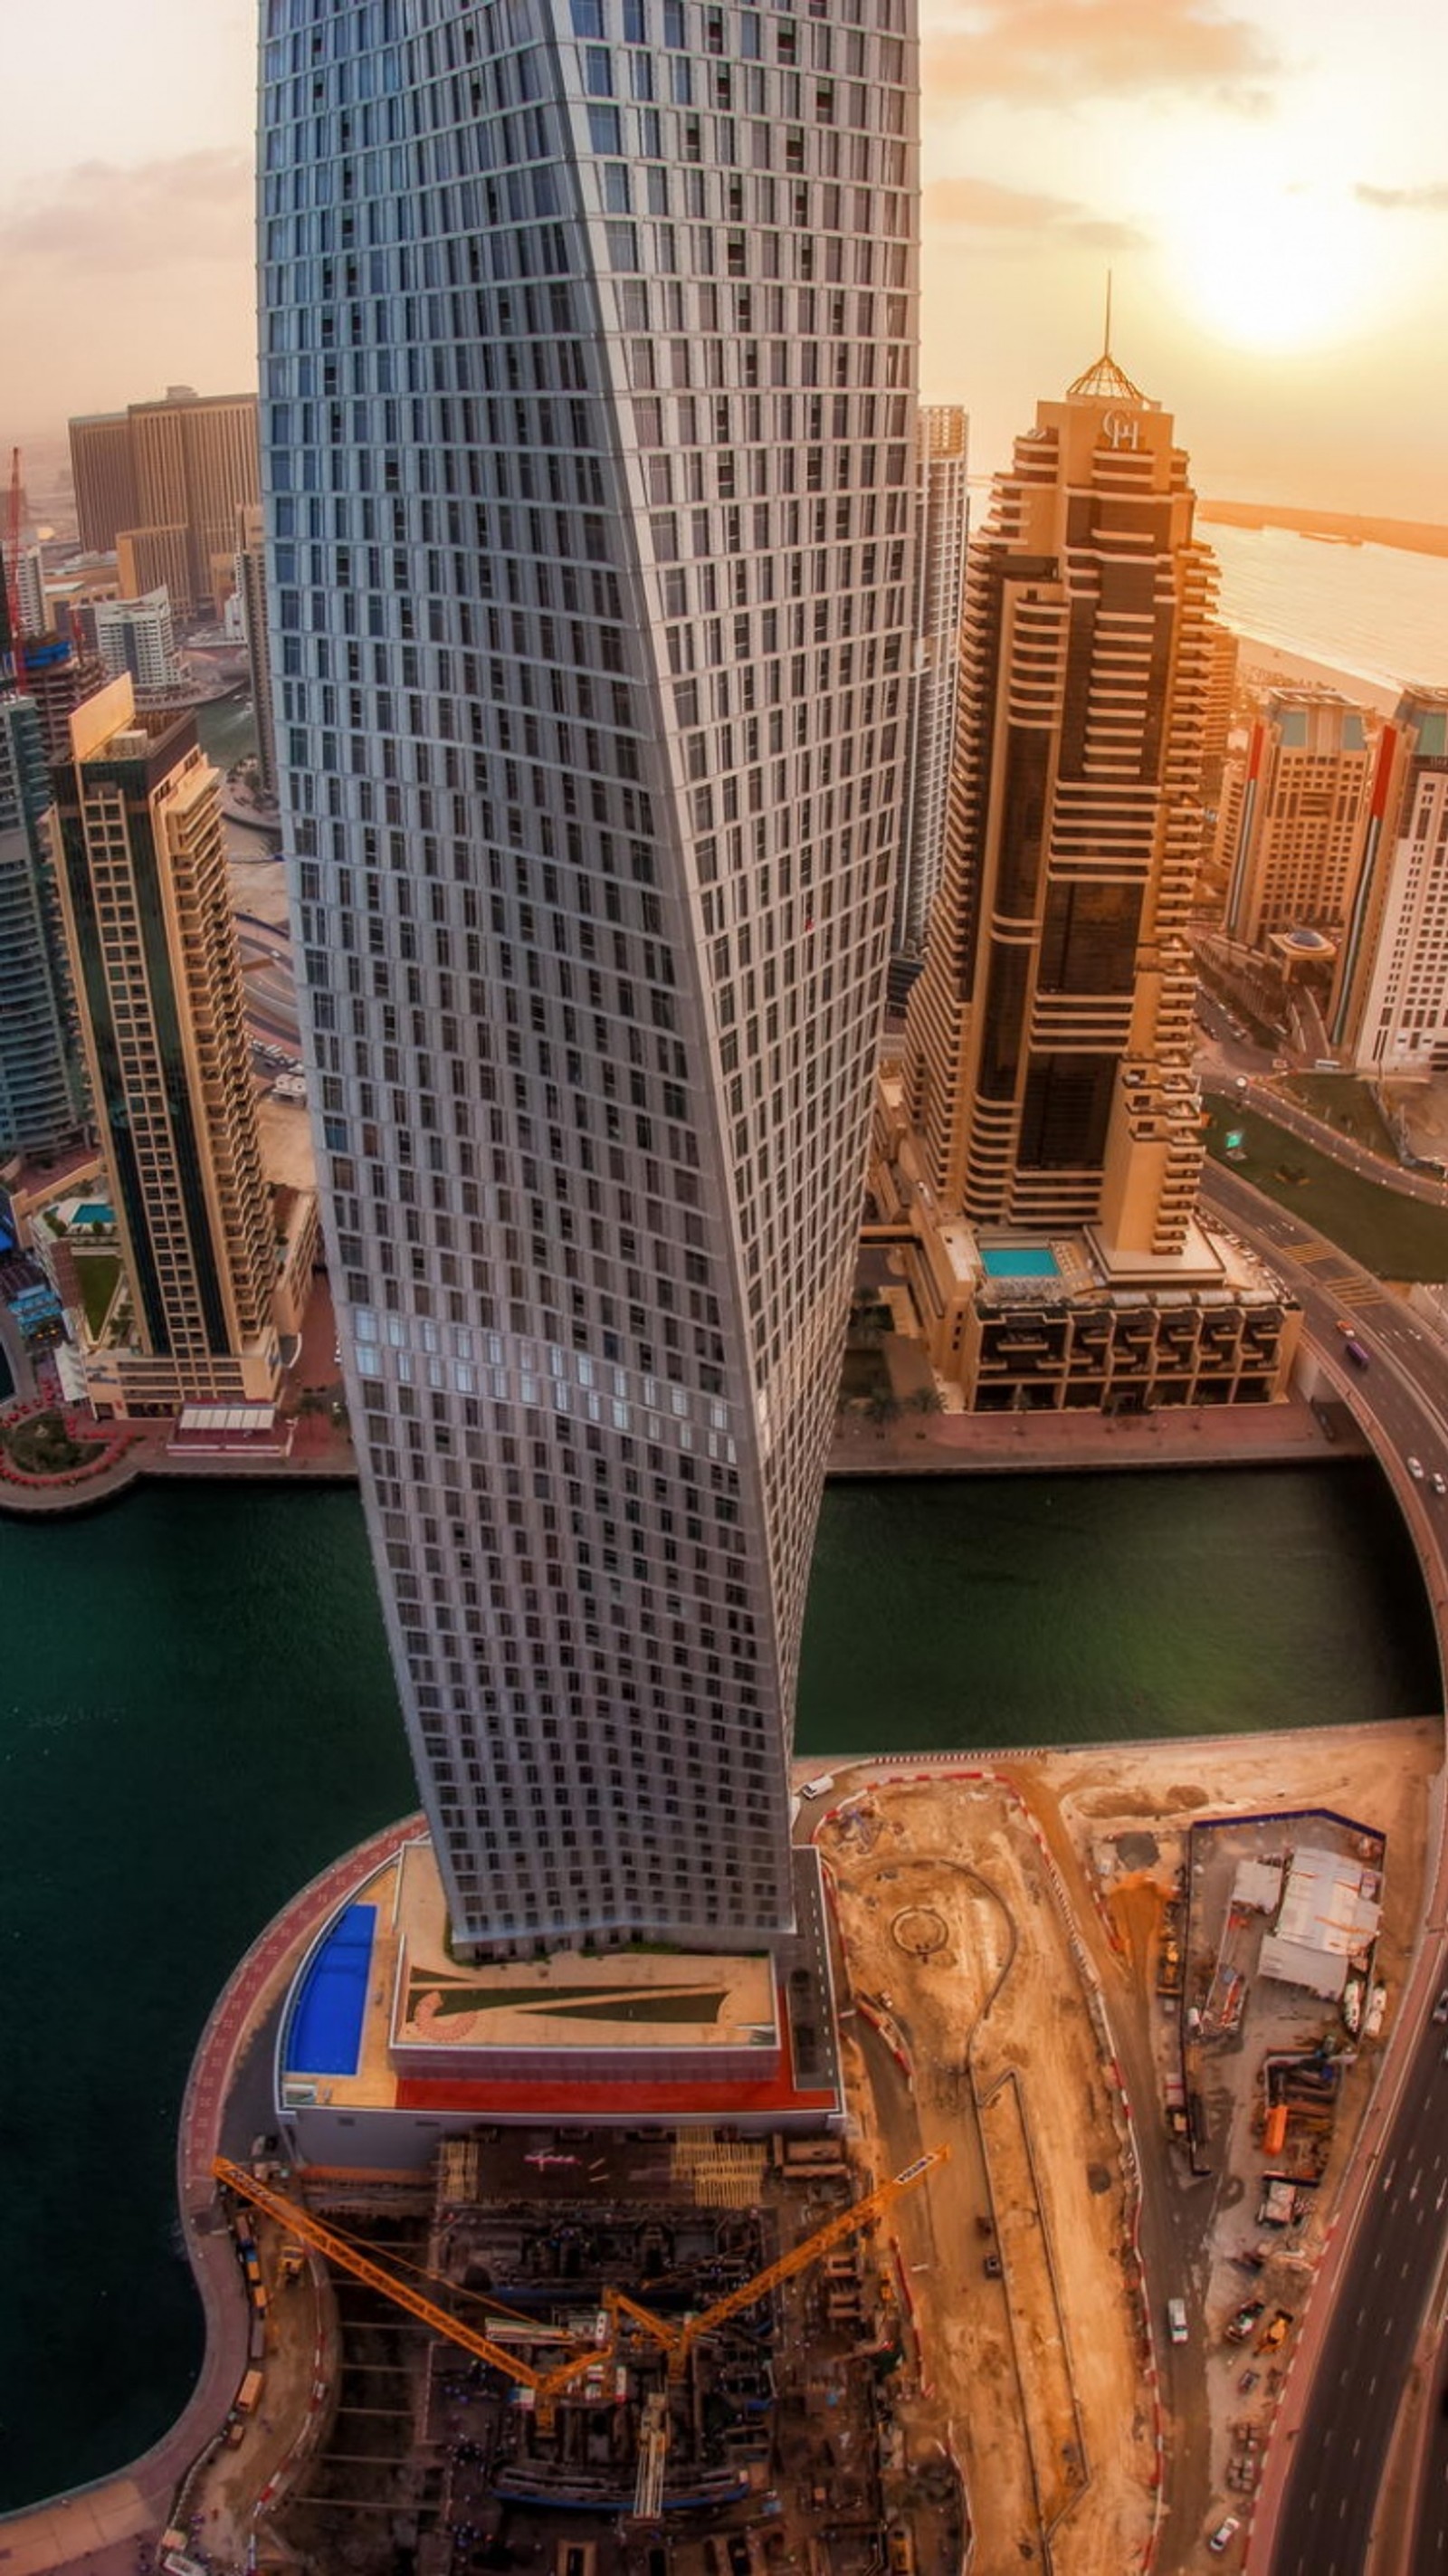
1288,1114
1333,2434
1430,2552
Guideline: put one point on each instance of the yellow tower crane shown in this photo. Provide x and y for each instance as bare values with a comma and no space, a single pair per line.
677,2341
299,2221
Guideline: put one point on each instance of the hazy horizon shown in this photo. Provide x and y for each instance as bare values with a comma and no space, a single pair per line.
1271,196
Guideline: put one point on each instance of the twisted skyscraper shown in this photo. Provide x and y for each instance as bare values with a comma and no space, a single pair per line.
588,428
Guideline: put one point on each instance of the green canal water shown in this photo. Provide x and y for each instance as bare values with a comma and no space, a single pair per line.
196,1714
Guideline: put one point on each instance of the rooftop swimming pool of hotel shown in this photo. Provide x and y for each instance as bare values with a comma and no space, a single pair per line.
1019,1261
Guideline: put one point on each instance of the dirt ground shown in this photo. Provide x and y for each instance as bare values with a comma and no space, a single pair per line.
258,880
961,1954
286,1141
221,2507
962,1963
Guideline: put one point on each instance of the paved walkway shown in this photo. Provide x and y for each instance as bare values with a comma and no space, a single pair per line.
321,1453
1053,1443
108,2529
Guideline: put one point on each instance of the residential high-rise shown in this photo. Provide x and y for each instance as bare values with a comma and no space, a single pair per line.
1307,777
1216,766
157,975
1392,989
58,676
30,591
1048,1063
136,636
251,591
42,1087
589,454
162,483
103,471
942,518
152,559
1038,1145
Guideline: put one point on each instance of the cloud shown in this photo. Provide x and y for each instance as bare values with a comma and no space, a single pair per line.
981,205
1045,51
1424,201
101,219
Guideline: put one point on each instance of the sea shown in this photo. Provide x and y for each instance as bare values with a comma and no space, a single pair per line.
1374,614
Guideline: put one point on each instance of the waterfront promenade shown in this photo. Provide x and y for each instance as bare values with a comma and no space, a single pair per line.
108,2529
1015,1444
1278,1435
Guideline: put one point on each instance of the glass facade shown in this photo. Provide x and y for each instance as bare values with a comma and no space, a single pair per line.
588,427
42,1087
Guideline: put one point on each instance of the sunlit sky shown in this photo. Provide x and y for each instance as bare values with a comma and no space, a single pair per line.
1267,179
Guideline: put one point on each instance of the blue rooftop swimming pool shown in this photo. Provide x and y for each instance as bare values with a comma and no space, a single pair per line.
1019,1261
94,1213
326,2033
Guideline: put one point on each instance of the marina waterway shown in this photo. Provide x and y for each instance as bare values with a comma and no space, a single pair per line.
196,1714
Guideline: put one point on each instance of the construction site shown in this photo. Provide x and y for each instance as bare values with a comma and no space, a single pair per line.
938,2335
583,2353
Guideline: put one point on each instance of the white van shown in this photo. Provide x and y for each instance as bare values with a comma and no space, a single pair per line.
1176,2320
817,1788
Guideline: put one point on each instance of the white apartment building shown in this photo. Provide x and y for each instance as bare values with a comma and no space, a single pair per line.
588,429
136,638
1402,1025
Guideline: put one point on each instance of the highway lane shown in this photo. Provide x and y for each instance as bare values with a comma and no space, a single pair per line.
1349,2404
1362,2367
1412,1397
1430,2550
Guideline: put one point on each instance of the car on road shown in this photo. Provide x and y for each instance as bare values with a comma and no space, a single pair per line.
1176,2320
1248,2381
1224,2535
1438,1483
1415,1469
1440,2009
817,1788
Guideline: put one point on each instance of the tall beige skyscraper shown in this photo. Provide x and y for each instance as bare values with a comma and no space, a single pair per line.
1038,1146
103,470
157,977
1048,1070
162,483
1307,778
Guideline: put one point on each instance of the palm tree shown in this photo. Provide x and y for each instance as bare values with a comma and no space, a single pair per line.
926,1399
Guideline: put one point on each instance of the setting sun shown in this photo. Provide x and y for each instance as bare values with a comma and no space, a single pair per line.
1266,264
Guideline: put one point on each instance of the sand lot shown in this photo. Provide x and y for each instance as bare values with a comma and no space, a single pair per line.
961,1952
984,1921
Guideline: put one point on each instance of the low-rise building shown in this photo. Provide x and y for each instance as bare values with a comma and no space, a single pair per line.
388,2042
1017,1322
